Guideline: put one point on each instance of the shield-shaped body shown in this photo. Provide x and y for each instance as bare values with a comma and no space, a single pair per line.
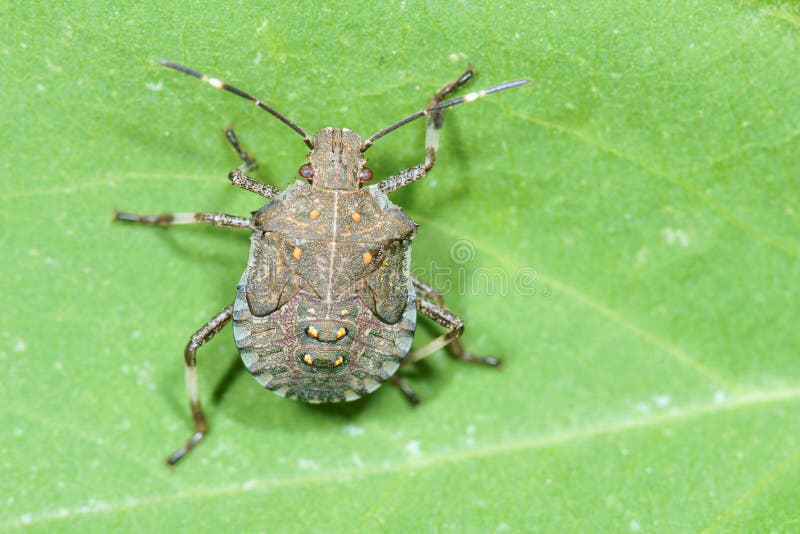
326,310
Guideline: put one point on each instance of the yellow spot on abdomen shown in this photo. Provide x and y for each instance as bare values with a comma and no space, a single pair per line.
341,332
313,332
314,214
367,258
356,217
338,361
297,253
308,359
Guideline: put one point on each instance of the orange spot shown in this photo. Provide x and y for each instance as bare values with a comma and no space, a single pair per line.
367,258
297,252
356,217
314,214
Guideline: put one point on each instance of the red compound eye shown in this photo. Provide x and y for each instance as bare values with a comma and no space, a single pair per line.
306,171
364,175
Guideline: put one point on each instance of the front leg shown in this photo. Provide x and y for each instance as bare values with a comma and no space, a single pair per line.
238,176
434,123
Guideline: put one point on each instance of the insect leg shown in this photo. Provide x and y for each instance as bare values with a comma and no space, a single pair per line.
434,123
239,179
168,219
412,397
198,338
250,163
431,303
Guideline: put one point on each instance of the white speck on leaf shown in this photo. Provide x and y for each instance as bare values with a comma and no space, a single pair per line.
20,345
257,59
250,484
720,396
353,430
635,526
303,463
158,86
661,400
413,448
675,237
641,256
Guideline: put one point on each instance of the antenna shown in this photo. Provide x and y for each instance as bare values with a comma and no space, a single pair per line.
219,84
471,97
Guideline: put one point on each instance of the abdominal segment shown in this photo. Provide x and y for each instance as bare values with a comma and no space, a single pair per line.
318,351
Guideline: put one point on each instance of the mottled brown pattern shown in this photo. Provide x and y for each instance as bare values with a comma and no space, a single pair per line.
326,309
325,256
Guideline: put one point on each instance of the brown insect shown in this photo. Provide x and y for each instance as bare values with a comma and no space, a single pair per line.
326,308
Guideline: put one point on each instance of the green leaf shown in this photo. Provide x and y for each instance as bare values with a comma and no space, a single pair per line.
639,200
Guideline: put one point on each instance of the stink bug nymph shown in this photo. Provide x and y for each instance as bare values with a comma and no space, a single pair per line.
326,308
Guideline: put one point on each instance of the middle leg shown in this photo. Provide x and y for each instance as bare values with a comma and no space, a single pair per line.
431,303
196,217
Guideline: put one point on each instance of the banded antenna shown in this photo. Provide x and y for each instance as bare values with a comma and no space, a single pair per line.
219,84
471,97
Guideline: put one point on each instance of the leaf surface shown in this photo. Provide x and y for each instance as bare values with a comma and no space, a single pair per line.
623,231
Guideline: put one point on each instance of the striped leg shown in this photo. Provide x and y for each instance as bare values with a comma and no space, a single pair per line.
197,217
249,162
434,124
431,303
198,338
238,176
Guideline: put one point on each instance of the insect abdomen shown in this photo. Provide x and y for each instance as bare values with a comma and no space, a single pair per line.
322,352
